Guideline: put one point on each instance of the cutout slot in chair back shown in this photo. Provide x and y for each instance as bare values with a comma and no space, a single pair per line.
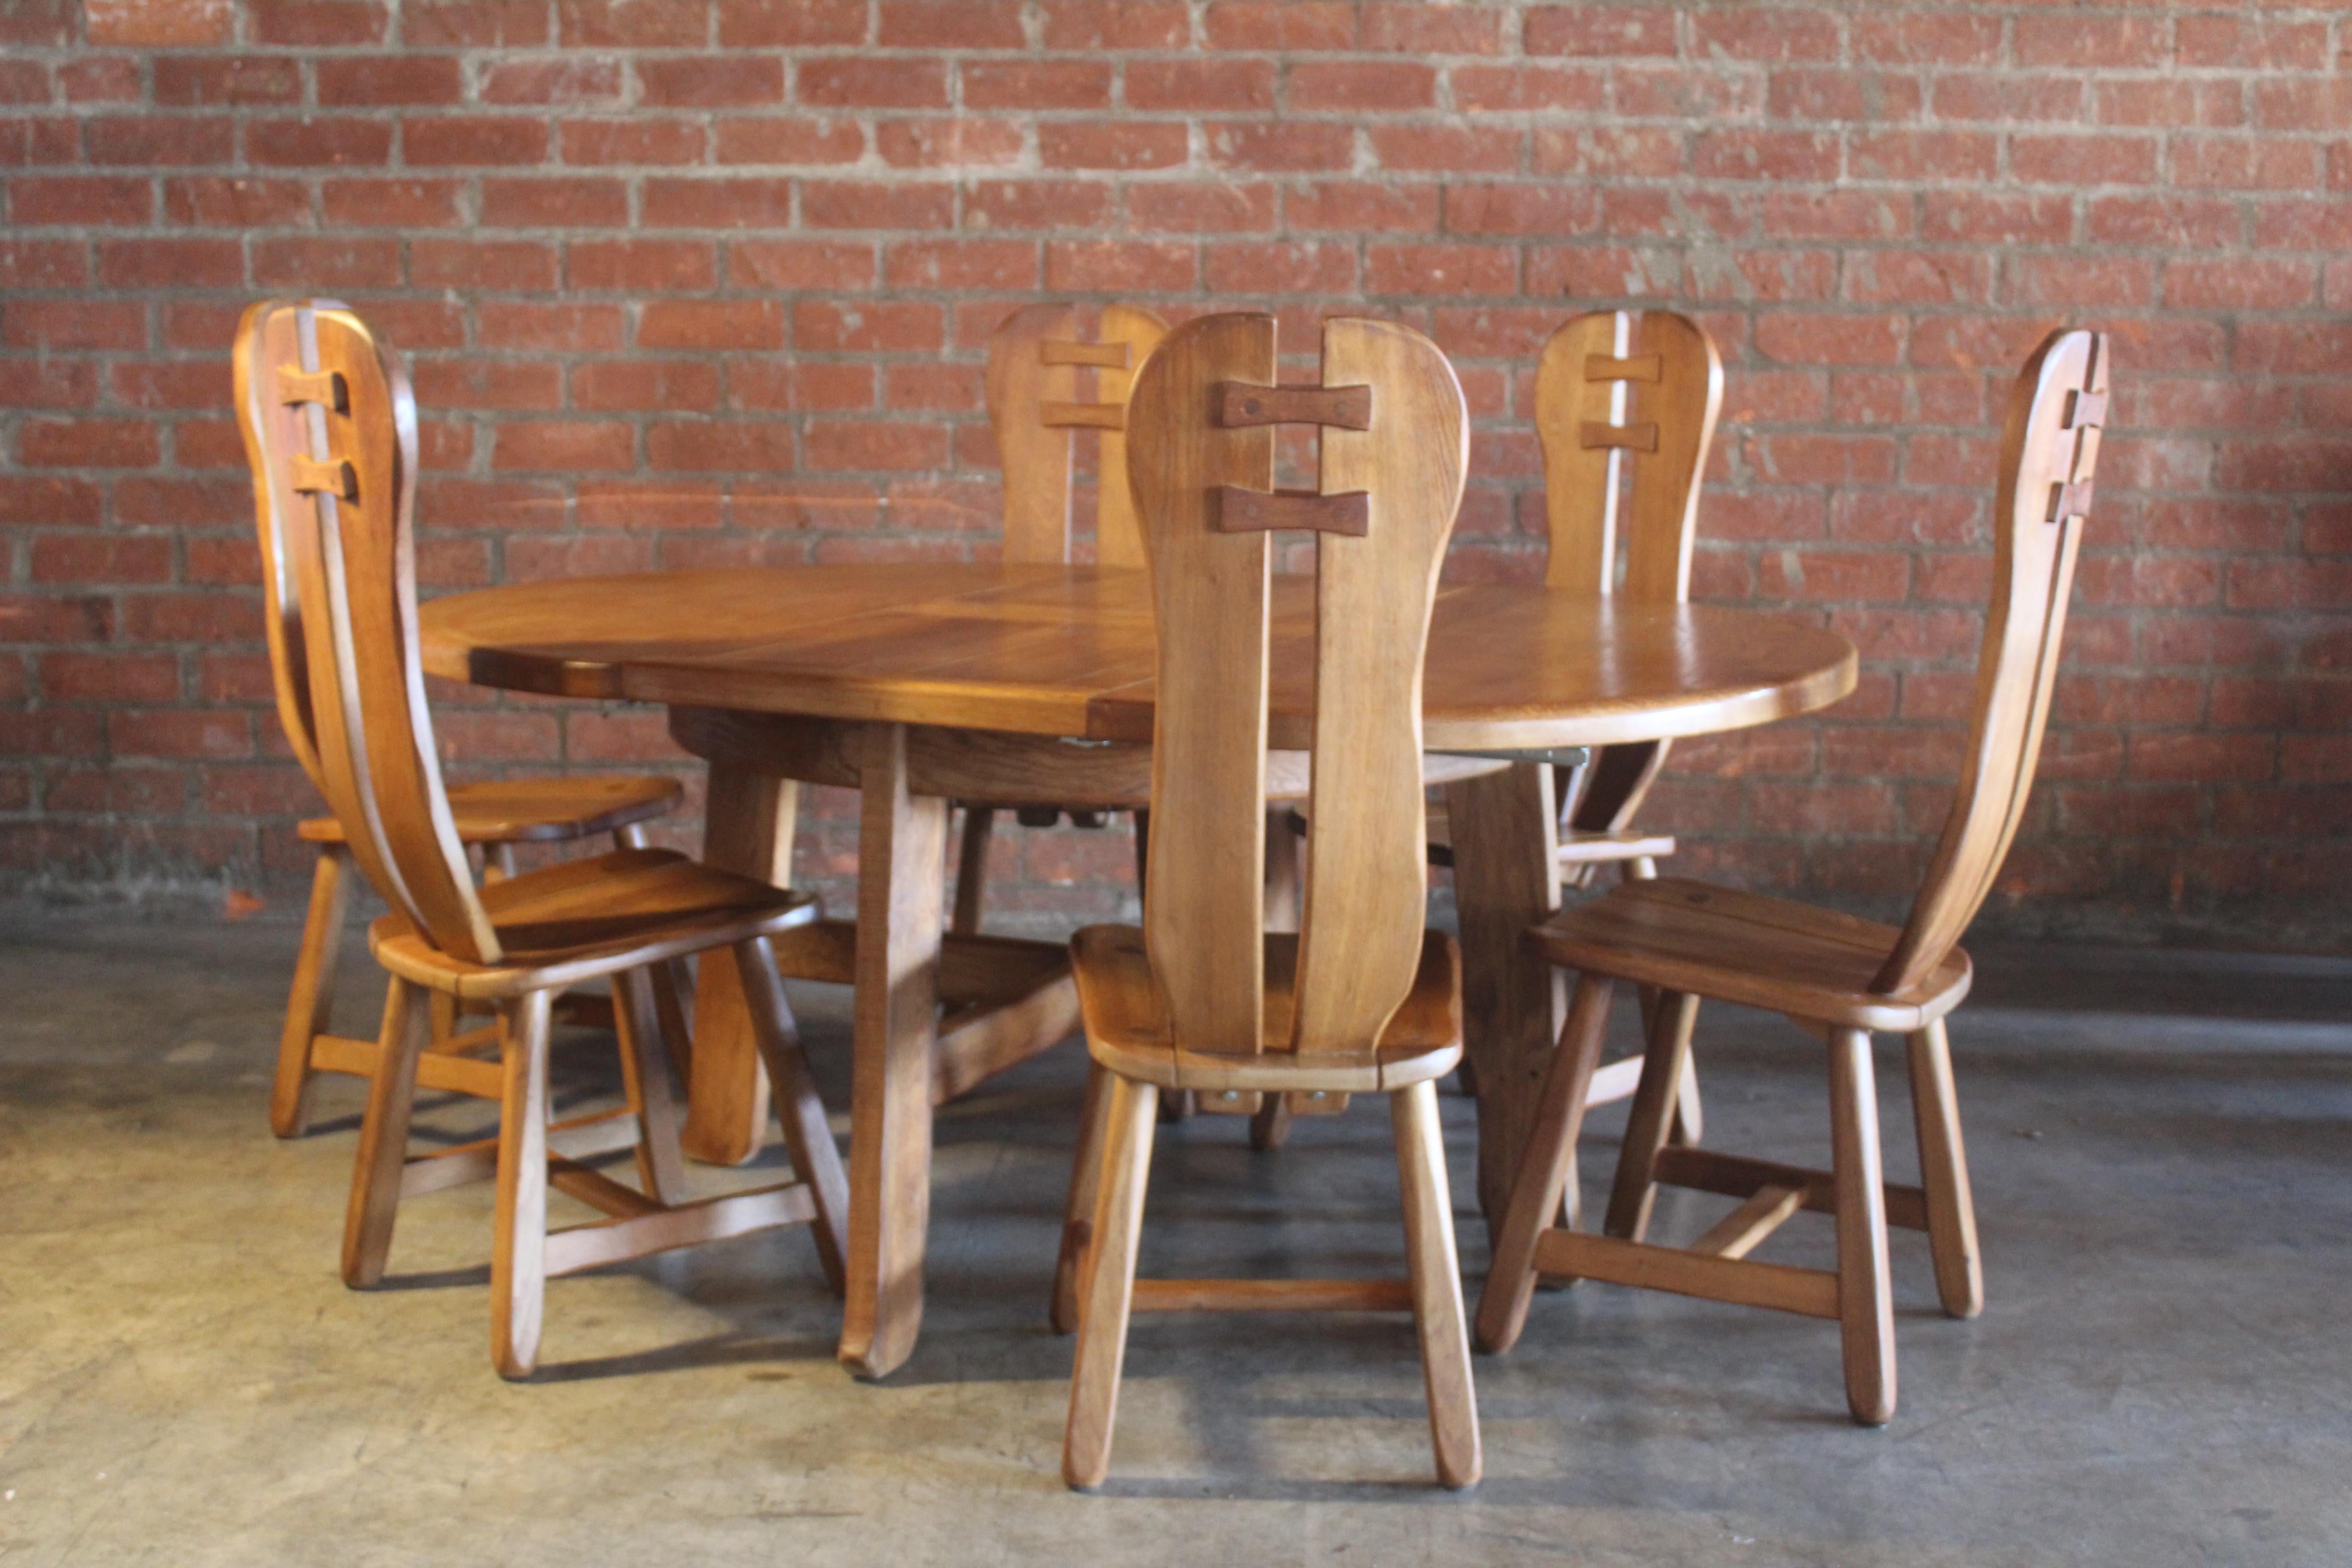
1394,446
1626,402
2050,451
330,426
1034,361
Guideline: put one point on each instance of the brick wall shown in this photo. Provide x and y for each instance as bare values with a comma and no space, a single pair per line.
700,281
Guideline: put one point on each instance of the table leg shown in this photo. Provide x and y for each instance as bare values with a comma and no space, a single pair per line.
901,899
747,828
1506,879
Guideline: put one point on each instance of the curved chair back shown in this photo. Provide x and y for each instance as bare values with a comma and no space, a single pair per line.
1625,408
331,428
1395,443
2049,454
1033,363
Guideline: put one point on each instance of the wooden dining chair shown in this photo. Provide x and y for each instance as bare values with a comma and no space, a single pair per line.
1835,975
494,816
1362,998
334,399
1034,361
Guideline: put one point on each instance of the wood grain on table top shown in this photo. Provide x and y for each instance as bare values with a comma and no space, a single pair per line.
1068,651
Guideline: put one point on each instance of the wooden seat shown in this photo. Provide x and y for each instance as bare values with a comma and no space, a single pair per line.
335,432
1839,977
494,816
1361,999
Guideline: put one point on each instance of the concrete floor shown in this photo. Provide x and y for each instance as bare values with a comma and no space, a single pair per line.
2163,1156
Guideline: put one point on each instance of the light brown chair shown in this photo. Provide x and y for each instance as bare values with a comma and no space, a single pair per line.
1835,975
336,404
1034,361
495,815
1202,998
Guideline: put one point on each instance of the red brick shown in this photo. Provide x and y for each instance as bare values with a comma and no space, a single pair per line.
632,24
318,143
180,733
1602,29
1112,144
636,141
764,445
710,81
711,324
318,24
110,677
559,328
806,387
1039,203
170,263
892,83
1547,211
860,445
73,324
1116,266
1279,25
994,264
223,202
2244,164
950,25
188,81
47,500
563,80
1288,146
471,139
795,264
857,204
939,142
1384,86
392,204
1324,269
564,445
165,23
478,23
2093,38
388,79
44,383
668,385
1116,24
1440,270
326,263
790,141
1197,84
1190,208
80,200
474,383
574,202
2241,283
716,204
1035,84
641,266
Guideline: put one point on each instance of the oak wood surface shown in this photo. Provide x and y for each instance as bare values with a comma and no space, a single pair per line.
1067,650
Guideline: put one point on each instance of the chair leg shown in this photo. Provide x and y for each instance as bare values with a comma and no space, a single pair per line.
645,1069
971,870
1436,1272
1110,1281
1690,1117
1652,1116
519,1249
1866,1294
310,1003
629,836
384,1136
1944,1175
1270,1123
1078,1215
674,1001
816,1160
1542,1180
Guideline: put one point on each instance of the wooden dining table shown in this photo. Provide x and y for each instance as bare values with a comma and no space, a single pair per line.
919,683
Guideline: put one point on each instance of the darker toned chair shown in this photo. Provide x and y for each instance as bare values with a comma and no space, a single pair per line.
1202,998
337,421
495,815
1836,977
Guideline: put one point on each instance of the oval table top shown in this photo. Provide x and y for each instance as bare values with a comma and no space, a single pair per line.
1067,650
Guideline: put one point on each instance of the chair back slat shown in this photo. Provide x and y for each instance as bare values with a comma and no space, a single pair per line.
2050,453
1203,919
349,555
1625,409
1036,359
1366,848
274,499
1361,934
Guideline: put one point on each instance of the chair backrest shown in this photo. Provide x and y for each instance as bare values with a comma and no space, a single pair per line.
289,672
1395,443
1625,408
1033,363
2049,453
330,429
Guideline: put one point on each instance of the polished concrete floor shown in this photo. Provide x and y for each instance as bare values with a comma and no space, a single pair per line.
2163,1158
